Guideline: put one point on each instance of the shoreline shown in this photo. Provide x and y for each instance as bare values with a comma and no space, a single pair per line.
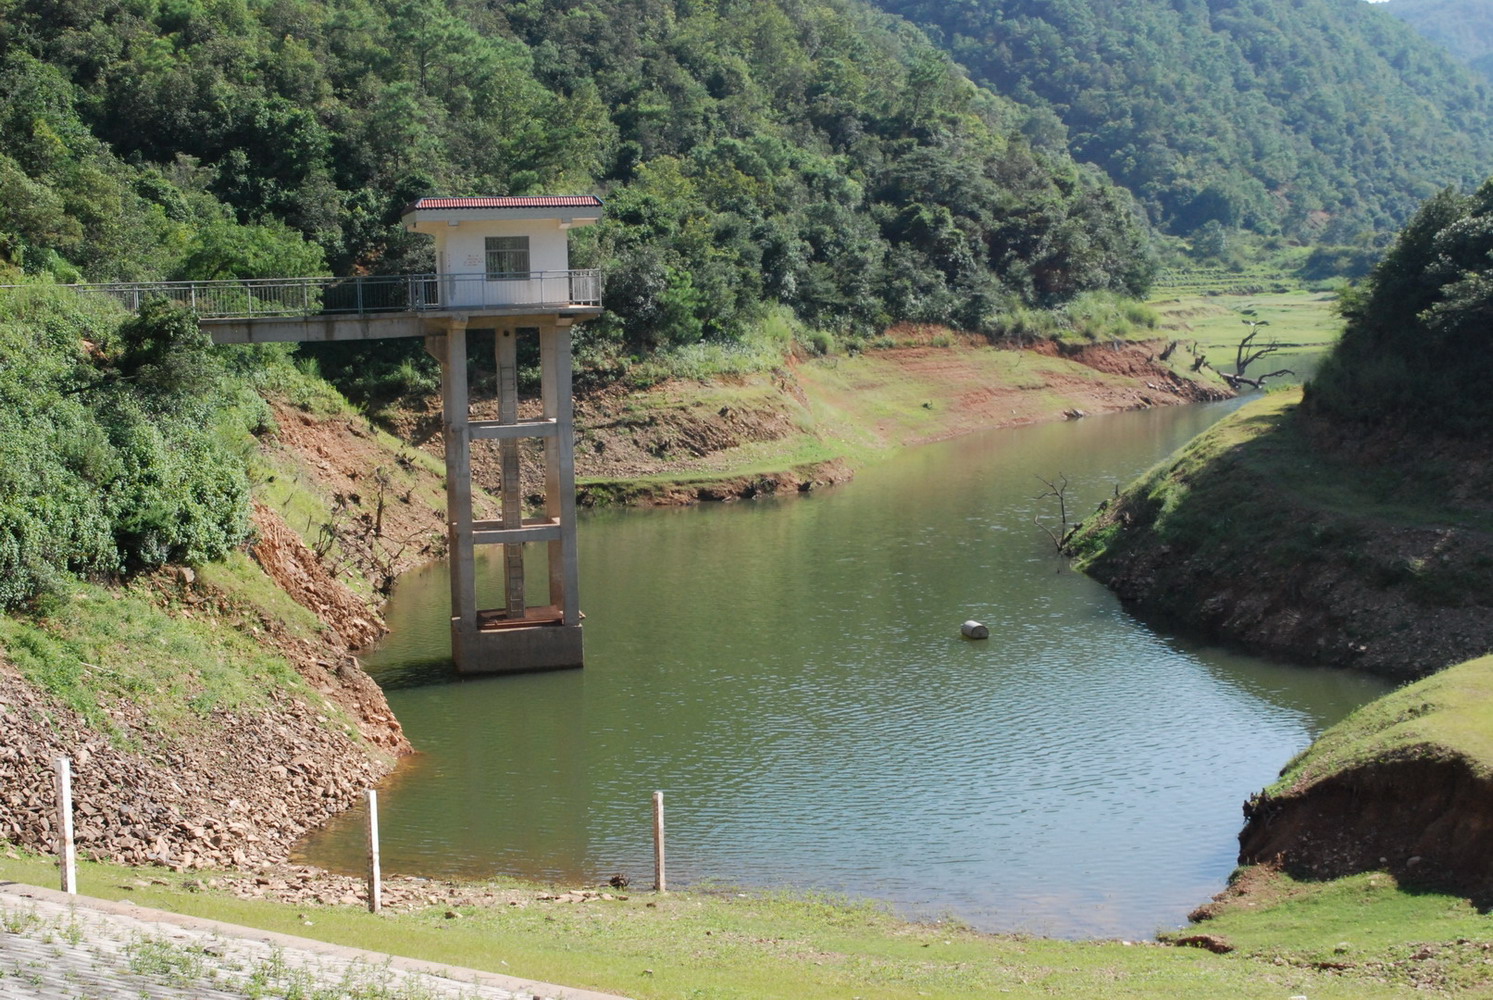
814,422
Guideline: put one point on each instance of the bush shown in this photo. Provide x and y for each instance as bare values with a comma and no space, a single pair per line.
111,461
1415,350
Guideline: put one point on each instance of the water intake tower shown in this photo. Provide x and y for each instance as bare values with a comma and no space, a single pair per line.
502,272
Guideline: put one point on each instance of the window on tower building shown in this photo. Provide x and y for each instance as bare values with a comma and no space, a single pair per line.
507,258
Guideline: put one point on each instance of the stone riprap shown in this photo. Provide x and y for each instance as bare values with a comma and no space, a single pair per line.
238,794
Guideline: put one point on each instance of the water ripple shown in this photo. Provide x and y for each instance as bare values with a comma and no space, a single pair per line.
791,675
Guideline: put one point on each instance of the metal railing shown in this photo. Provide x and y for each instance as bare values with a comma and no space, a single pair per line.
254,298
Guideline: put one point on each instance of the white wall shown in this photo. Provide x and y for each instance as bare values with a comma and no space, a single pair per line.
462,249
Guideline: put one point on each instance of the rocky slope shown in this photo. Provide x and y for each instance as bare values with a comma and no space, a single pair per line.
239,792
238,786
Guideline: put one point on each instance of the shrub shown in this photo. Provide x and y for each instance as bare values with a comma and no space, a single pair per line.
113,460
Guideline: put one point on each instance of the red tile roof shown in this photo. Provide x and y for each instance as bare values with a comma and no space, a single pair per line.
540,201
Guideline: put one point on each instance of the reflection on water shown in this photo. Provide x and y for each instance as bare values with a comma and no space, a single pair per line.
791,674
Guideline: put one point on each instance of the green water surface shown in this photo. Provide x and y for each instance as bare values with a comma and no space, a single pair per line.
790,673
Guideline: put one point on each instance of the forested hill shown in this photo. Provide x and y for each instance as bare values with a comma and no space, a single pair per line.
814,153
1313,117
1463,27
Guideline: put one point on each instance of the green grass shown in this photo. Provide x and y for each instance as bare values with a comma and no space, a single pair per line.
1257,278
1303,323
1218,322
92,647
726,945
275,372
1366,925
1449,714
1256,483
1192,499
762,347
1091,317
241,580
1266,441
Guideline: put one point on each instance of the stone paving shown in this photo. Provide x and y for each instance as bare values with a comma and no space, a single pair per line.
58,947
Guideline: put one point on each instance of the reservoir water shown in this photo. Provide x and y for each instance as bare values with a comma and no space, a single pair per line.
790,673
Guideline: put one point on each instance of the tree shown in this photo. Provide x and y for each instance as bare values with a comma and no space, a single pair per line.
1248,351
1415,349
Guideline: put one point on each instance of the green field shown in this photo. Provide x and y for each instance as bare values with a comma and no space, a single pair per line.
1299,321
1354,939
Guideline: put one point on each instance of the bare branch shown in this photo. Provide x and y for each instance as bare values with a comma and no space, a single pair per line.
1058,491
1235,381
1248,352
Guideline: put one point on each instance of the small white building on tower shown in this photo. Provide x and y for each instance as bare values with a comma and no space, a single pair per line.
503,252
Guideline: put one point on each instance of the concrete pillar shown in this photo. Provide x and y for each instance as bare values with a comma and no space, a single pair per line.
559,470
511,485
514,637
456,421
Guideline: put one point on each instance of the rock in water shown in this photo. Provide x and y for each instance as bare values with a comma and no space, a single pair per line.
974,630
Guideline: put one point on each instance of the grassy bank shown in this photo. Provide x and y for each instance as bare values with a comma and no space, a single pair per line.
1309,541
1447,716
1404,785
728,945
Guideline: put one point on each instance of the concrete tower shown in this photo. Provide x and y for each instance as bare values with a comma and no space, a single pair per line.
504,272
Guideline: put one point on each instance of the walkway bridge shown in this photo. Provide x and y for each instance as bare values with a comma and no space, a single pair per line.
518,284
262,310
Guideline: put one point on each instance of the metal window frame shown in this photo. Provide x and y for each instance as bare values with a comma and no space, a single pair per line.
511,273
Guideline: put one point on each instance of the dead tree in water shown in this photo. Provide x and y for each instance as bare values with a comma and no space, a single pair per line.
1059,492
1247,353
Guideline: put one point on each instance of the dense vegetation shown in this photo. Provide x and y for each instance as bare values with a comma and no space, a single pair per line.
759,159
1316,118
1415,351
817,155
1463,27
1353,528
119,444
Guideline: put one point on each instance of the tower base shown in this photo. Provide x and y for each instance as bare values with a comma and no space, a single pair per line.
515,648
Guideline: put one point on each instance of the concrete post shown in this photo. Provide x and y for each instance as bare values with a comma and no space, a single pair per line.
512,486
67,854
456,420
559,470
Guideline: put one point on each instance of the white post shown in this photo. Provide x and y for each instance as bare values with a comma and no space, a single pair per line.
67,858
659,882
375,883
